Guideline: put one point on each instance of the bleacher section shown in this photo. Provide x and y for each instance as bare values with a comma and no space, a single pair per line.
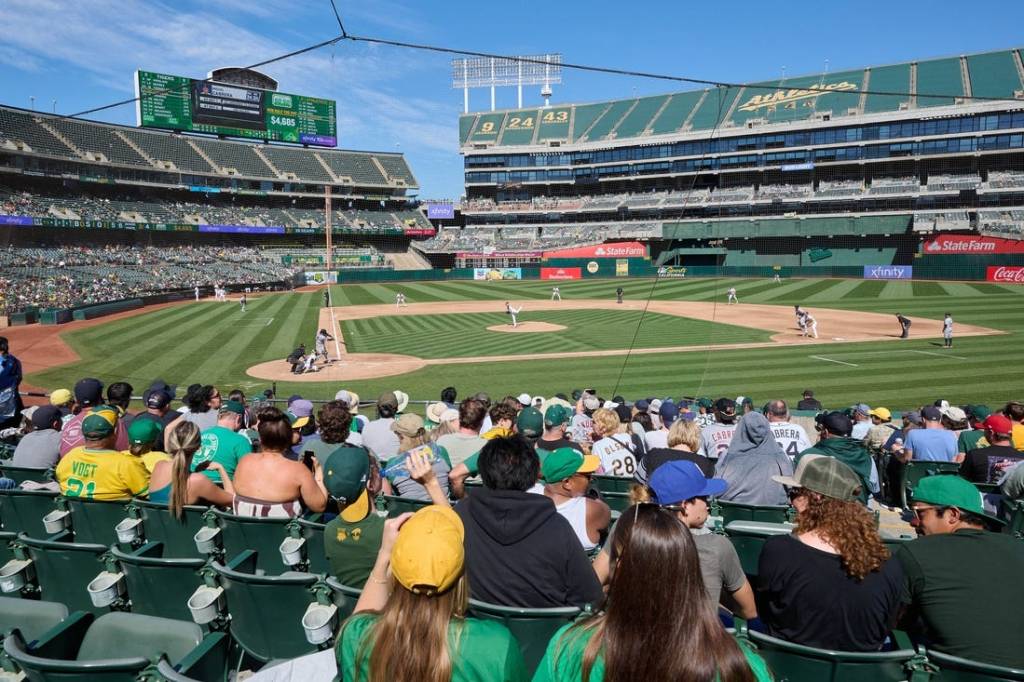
953,183
1005,223
235,159
20,128
165,149
296,163
359,167
90,137
941,221
397,168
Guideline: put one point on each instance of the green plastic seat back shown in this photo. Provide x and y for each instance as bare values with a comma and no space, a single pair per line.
38,669
613,484
616,501
263,536
315,552
397,506
344,597
158,525
32,617
64,569
22,511
6,553
748,537
93,521
1015,521
795,662
266,612
955,669
533,628
916,470
22,474
735,511
159,586
127,635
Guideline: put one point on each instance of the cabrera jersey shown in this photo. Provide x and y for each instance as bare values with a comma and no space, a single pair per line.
791,438
102,475
715,439
617,455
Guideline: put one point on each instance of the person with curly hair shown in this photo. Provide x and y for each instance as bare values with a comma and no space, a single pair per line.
831,584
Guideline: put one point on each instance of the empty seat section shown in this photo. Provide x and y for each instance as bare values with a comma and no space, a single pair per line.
465,125
895,78
520,127
487,128
299,162
993,75
939,77
359,167
714,107
172,148
584,117
554,124
396,168
89,137
238,156
638,120
610,119
20,127
675,113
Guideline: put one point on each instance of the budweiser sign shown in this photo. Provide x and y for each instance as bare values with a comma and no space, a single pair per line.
961,243
1007,274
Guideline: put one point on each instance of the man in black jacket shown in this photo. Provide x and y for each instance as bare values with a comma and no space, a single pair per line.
519,550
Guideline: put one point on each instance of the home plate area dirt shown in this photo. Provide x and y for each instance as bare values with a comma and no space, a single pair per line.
833,325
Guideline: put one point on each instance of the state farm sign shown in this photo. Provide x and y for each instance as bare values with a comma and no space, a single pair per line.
616,250
1007,274
960,243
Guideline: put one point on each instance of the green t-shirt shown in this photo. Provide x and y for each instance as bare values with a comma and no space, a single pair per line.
352,547
569,653
223,446
965,586
486,651
968,440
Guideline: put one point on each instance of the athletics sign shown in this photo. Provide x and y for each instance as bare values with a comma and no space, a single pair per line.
972,244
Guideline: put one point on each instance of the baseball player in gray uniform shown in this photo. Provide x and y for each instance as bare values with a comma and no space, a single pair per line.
732,295
556,294
947,331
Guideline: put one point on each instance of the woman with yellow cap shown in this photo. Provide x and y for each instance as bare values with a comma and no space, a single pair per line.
410,625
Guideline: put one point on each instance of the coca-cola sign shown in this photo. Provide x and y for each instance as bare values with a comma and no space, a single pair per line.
963,243
1007,274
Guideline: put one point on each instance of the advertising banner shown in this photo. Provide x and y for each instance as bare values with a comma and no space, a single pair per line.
441,211
622,267
561,273
672,271
888,272
1007,274
15,220
971,244
620,250
242,229
498,254
418,232
495,274
321,277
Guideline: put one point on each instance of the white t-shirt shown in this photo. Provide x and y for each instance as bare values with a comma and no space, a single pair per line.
656,439
575,512
715,439
616,454
792,438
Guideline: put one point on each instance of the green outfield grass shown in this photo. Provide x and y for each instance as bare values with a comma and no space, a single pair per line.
466,334
215,342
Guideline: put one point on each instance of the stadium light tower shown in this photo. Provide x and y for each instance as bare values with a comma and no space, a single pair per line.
483,72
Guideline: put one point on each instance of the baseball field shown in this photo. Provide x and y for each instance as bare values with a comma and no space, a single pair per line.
669,337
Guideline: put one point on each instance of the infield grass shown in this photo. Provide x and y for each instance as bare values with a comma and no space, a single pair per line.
215,343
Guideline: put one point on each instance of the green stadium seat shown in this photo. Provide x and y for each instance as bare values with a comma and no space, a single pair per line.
795,662
93,521
31,617
158,585
748,537
22,511
64,569
618,502
399,505
613,484
533,628
22,474
177,537
117,647
266,611
955,669
258,535
6,552
1014,510
344,597
737,511
314,554
903,476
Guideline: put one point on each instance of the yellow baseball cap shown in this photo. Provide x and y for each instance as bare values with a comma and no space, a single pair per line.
428,554
60,397
882,413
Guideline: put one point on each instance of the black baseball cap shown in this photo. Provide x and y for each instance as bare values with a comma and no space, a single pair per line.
44,416
836,422
725,405
89,392
158,399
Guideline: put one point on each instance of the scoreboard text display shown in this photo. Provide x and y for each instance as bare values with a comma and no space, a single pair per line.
180,103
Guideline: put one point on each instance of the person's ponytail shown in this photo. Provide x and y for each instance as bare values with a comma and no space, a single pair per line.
182,443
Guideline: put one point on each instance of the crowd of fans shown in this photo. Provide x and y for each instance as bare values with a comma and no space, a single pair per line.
67,276
513,517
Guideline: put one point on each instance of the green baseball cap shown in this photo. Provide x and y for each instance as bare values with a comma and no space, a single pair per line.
530,422
951,491
706,403
346,472
556,415
564,462
979,413
233,406
142,431
826,476
96,427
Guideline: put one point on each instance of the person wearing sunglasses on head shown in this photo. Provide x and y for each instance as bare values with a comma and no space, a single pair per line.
831,584
962,585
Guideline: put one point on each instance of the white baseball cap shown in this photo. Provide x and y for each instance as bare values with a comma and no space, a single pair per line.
525,400
403,400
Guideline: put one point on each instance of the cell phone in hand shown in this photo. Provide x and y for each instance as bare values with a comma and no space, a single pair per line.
204,466
308,458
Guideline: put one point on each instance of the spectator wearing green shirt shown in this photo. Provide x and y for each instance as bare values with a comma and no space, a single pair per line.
975,437
410,623
656,603
961,586
222,443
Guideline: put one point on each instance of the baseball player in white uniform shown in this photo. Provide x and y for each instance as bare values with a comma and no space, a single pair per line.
320,345
513,312
799,318
556,294
777,279
947,331
732,295
242,301
197,293
810,325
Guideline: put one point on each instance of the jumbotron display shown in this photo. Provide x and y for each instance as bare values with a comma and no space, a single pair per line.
202,106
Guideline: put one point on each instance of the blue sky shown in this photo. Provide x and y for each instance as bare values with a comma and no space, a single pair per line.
83,53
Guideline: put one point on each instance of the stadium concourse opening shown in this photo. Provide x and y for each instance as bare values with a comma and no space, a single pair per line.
833,326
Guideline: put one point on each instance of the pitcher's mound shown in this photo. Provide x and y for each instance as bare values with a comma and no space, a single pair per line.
526,327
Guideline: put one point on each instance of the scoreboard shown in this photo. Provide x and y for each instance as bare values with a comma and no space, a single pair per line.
203,106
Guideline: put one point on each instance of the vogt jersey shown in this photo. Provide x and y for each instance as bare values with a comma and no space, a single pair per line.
792,438
715,440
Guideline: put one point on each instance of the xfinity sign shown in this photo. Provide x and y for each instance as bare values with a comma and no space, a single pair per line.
888,271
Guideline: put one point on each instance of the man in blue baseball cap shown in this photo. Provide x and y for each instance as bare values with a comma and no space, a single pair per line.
681,487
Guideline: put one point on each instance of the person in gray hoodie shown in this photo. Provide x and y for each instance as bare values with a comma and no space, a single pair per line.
753,458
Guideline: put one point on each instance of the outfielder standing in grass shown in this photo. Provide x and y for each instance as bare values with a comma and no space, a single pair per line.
732,296
556,294
947,331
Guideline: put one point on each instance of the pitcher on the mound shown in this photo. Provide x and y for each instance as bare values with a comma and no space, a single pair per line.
512,312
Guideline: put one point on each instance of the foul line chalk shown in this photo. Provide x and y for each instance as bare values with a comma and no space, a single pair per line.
838,362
